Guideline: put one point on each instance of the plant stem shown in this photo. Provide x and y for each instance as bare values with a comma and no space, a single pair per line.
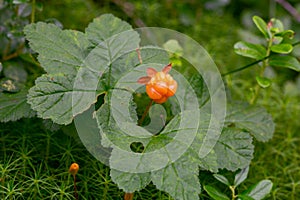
33,11
75,188
128,196
232,188
145,113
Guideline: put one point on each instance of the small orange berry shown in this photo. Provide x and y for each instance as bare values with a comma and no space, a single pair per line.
159,85
74,168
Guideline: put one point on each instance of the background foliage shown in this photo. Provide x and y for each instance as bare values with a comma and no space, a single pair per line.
37,159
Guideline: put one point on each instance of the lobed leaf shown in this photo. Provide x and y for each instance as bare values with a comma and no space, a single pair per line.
253,119
179,179
60,51
130,182
234,149
14,106
250,50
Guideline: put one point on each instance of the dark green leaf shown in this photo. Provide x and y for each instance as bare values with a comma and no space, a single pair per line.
285,61
105,27
286,34
51,97
130,182
1,67
179,179
263,81
241,176
250,50
282,48
261,25
14,106
252,119
60,51
215,194
234,149
222,179
244,197
260,190
74,69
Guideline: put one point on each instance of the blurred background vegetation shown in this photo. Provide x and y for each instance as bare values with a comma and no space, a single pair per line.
35,160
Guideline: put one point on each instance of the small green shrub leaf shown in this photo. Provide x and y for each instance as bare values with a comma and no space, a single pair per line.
14,106
289,34
250,50
253,119
285,61
261,25
260,190
241,176
263,81
282,48
130,182
215,194
222,179
234,149
244,197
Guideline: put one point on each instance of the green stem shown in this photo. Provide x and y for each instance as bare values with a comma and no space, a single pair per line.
245,67
261,73
232,188
33,11
145,113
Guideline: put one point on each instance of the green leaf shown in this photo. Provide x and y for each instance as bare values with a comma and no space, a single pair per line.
60,51
282,48
260,190
222,179
261,25
250,50
14,106
234,149
75,66
253,119
244,197
241,176
285,61
289,34
263,81
215,194
105,27
276,25
51,97
130,182
179,179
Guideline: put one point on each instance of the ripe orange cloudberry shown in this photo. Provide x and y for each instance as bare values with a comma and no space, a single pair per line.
159,85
